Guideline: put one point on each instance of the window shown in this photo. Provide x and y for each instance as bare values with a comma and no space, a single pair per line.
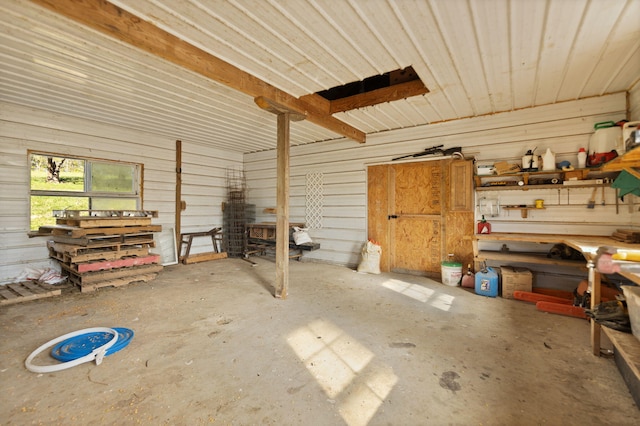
66,183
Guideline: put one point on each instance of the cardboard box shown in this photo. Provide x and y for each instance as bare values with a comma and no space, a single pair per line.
515,279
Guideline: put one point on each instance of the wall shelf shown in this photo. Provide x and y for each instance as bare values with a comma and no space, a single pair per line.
524,181
531,187
524,210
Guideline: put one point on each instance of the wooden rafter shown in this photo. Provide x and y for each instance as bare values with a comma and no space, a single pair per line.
378,96
122,25
374,97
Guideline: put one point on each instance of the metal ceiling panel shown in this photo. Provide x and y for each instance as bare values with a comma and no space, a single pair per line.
476,57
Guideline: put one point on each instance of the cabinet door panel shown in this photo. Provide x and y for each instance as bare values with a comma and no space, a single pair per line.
461,188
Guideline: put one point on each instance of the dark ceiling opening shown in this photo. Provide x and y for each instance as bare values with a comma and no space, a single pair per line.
370,84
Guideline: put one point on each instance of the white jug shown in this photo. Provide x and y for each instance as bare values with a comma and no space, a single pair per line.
549,161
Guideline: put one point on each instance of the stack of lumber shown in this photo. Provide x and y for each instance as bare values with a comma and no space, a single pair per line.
101,248
627,236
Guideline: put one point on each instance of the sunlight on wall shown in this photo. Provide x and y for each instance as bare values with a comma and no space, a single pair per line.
437,300
65,72
342,367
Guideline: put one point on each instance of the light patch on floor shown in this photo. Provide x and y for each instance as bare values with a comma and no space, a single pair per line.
437,300
362,402
338,362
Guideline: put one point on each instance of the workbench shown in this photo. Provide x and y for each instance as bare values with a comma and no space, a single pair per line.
626,346
262,237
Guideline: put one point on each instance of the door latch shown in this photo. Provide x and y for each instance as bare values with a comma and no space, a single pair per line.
392,216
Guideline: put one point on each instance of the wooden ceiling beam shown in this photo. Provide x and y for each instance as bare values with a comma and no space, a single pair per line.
276,108
124,26
378,96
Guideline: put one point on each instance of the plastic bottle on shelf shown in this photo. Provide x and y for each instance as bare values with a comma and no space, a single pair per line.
582,158
549,161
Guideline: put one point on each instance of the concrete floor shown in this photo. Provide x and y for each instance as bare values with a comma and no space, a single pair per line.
212,345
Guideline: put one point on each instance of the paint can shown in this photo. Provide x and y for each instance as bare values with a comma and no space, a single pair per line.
451,273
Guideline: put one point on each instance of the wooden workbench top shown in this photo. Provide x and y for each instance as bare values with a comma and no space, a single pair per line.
587,244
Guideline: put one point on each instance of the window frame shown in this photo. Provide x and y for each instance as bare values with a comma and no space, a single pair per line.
137,184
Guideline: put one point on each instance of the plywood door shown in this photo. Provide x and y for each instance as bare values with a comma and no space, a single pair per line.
416,203
430,220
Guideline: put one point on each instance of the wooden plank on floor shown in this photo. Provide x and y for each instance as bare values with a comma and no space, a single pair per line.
203,257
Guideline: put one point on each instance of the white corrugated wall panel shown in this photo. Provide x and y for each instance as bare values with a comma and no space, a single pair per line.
563,127
23,129
204,189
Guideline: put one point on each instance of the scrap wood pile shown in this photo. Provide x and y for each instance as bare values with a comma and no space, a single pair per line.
627,236
100,248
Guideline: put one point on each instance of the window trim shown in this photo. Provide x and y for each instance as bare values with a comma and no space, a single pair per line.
137,190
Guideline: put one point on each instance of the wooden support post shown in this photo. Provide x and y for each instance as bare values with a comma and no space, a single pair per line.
285,115
178,189
282,208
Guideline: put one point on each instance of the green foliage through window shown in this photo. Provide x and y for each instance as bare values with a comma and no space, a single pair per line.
64,183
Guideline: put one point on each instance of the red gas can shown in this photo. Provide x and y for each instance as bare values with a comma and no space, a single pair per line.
484,227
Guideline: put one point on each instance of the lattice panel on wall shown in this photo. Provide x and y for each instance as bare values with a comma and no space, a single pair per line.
314,200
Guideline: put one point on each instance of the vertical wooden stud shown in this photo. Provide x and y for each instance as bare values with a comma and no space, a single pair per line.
178,189
282,208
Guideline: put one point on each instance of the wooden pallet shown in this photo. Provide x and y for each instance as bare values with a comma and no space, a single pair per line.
25,291
105,213
117,282
66,253
105,265
110,275
105,240
77,232
104,222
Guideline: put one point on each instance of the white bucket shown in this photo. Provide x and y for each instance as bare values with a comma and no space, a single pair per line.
451,273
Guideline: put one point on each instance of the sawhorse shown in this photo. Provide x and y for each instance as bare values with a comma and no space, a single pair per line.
187,238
